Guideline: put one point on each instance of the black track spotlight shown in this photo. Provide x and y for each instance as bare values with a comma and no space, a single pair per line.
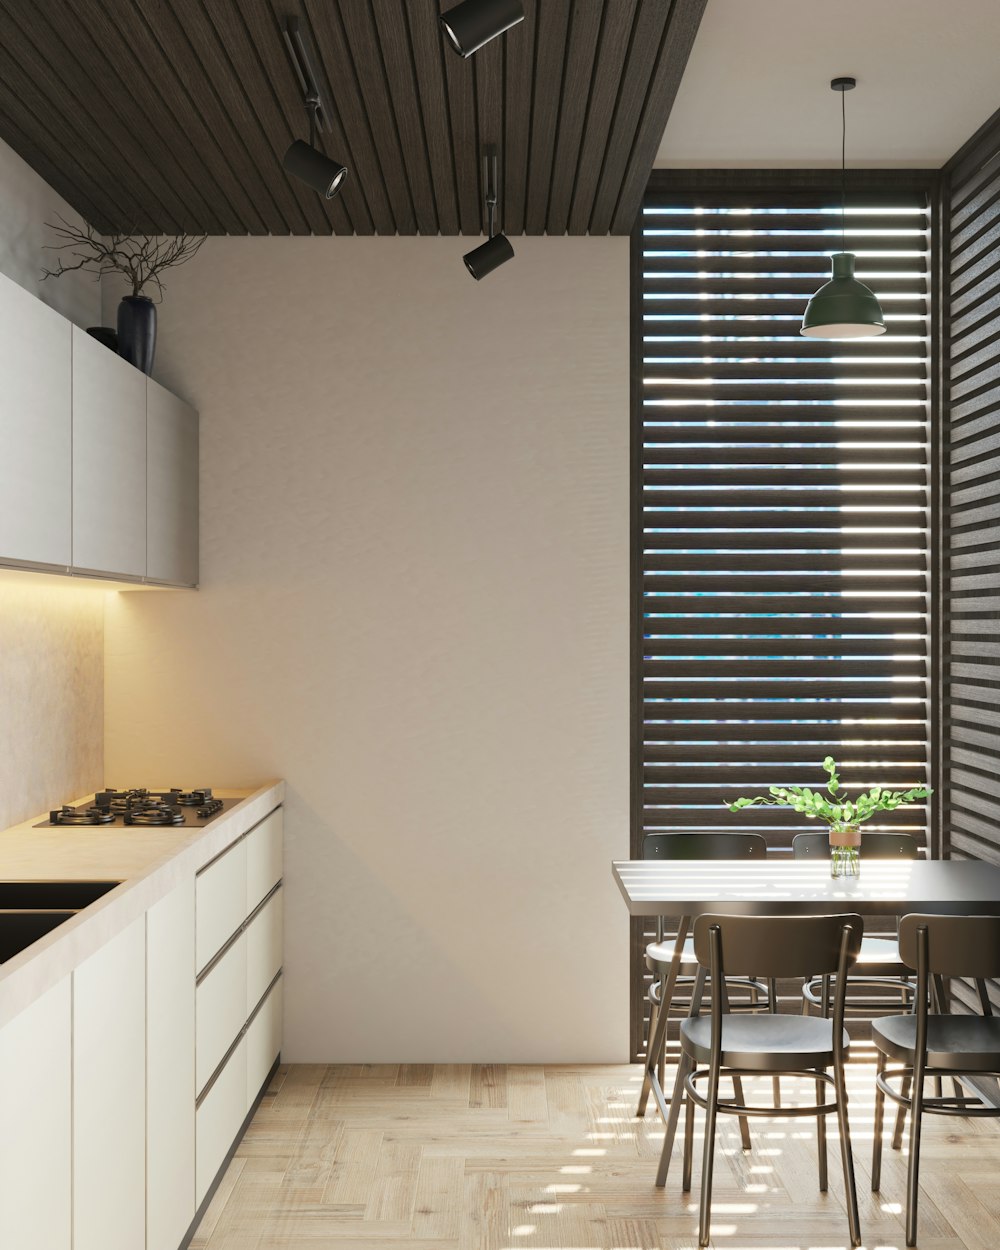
475,22
306,161
314,168
497,248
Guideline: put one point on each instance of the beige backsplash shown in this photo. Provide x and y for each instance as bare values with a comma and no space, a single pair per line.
51,694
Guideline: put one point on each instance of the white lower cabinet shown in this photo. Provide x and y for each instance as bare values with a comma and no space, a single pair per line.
170,1068
221,1009
263,938
222,1111
36,1115
263,1041
109,1095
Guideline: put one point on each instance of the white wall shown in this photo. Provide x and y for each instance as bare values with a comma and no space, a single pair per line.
414,607
27,203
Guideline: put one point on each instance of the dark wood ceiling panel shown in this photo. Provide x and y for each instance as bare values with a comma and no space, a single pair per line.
171,115
581,63
550,57
428,53
616,35
675,49
519,72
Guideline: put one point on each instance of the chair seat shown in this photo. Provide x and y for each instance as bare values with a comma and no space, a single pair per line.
879,956
765,1043
659,956
957,1043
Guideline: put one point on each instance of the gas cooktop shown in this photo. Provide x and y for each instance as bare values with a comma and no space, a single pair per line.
140,809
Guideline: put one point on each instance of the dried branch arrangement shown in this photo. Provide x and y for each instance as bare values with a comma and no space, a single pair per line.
141,259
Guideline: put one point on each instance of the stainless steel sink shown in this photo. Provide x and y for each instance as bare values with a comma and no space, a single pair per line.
30,909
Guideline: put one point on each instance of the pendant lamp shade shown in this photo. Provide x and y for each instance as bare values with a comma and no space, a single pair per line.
844,308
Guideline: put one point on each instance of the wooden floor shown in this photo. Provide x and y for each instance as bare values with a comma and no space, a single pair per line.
525,1158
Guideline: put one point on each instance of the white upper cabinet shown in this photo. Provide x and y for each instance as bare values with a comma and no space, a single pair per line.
171,488
35,430
109,461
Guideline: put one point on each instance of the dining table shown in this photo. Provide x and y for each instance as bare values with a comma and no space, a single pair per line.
681,890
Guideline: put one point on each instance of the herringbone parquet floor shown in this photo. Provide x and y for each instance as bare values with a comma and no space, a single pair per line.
531,1158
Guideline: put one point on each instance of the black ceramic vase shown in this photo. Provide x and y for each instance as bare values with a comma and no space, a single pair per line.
137,331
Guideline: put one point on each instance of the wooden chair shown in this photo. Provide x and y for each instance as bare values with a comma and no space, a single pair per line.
879,965
742,1045
925,1044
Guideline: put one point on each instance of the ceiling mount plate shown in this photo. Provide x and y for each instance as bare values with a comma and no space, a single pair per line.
844,84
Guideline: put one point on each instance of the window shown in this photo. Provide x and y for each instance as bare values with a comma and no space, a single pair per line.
780,537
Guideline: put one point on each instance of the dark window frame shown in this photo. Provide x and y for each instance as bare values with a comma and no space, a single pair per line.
749,187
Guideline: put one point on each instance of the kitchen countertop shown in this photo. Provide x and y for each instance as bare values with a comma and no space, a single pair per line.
148,863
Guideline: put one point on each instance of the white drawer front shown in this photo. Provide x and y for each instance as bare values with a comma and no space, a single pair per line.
219,1119
220,903
263,1041
263,858
263,949
220,1009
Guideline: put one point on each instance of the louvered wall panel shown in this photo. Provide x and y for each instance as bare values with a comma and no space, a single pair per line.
971,705
780,561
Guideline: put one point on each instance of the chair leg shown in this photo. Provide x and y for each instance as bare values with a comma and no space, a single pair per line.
878,1130
744,1122
656,1037
821,1138
688,1144
847,1157
913,1163
897,1132
705,1209
684,1066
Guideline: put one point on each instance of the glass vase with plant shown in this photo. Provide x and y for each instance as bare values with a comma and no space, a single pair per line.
843,816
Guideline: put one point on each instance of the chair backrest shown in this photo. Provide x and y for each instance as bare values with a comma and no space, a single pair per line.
779,946
873,846
727,845
957,946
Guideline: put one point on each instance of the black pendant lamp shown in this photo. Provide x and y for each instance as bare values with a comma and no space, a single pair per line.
497,248
306,161
844,308
470,25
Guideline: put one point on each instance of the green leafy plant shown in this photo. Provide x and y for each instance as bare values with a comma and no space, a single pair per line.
840,814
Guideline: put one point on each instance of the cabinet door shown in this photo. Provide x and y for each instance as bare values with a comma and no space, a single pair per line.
109,461
263,1042
170,1092
221,1009
220,902
35,432
172,488
109,1095
264,947
263,858
35,1070
220,1117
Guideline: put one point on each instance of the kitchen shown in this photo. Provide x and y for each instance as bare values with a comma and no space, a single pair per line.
411,632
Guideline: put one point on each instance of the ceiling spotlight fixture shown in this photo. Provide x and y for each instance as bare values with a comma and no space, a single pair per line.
474,23
306,161
497,249
843,308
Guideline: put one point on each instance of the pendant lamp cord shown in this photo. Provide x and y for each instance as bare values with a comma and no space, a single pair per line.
843,171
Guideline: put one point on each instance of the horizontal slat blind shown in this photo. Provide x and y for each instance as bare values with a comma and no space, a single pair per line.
783,597
784,512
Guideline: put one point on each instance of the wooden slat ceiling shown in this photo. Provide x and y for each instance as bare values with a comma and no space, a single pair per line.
165,116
